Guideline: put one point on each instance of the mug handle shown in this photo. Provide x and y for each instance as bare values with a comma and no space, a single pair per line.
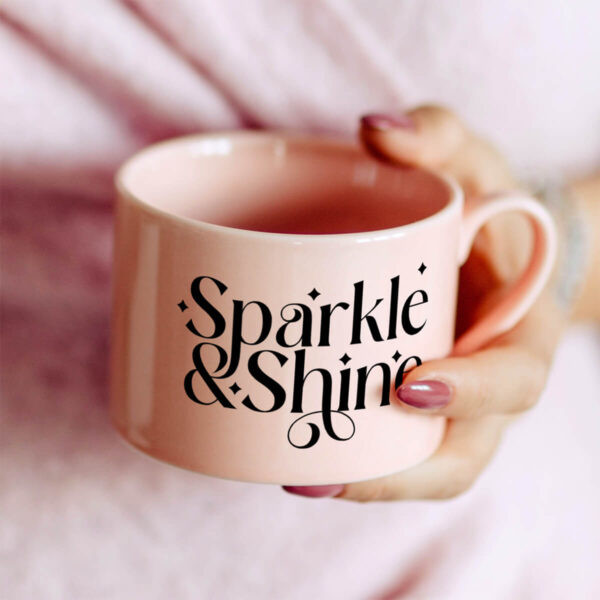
528,287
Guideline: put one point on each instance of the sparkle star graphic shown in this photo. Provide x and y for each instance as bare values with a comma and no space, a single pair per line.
345,359
422,268
396,355
235,388
314,293
182,306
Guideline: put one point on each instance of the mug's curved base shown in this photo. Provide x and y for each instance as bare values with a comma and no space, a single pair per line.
346,474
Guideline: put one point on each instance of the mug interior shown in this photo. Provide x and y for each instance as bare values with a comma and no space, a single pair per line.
278,183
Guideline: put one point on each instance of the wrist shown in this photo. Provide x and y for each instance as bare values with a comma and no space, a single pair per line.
570,273
587,194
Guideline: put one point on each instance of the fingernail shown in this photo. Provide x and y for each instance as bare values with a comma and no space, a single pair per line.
425,394
314,491
387,122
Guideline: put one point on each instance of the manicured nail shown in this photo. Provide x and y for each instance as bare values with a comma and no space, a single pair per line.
387,122
314,491
425,394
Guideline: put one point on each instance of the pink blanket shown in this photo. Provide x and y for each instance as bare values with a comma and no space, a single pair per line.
84,84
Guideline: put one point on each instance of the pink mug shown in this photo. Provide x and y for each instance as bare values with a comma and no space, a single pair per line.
271,290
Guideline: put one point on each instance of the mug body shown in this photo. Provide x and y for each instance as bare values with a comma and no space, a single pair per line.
270,290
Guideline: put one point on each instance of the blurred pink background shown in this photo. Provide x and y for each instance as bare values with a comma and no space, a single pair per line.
82,86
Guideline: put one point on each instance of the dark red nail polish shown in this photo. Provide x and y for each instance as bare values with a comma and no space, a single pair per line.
386,122
425,394
314,491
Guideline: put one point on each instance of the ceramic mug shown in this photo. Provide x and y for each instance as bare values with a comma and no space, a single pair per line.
271,290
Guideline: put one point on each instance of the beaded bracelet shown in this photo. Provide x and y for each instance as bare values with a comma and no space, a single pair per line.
574,230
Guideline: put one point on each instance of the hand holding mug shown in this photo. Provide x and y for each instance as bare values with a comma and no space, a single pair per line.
272,290
480,392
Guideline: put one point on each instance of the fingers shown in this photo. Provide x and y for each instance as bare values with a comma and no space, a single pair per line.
426,136
505,379
467,448
507,376
434,137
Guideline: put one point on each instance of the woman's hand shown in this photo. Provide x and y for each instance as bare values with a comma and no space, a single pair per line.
480,393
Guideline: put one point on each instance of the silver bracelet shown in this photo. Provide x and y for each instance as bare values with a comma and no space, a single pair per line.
573,257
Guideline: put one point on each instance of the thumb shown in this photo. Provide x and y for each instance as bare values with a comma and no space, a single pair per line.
426,136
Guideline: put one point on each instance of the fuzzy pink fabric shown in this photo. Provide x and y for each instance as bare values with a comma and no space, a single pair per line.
83,85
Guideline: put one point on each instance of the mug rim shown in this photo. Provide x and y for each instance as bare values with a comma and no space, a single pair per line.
455,201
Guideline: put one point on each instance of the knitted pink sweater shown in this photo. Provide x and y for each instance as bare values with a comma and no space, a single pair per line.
84,84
